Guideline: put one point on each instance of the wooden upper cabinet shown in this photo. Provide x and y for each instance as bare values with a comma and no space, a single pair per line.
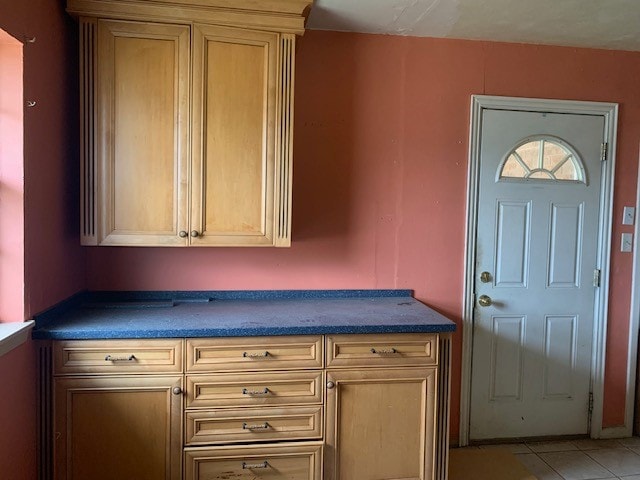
187,127
143,105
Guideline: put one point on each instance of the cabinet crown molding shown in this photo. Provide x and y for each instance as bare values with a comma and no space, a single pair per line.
285,16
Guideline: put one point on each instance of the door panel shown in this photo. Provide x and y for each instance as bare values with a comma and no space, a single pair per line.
537,239
512,246
506,358
560,350
565,237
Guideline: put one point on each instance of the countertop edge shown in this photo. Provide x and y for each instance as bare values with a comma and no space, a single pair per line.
244,332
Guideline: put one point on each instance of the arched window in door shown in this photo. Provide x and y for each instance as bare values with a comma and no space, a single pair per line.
542,157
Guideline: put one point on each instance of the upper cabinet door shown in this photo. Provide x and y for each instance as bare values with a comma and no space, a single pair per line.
142,145
235,98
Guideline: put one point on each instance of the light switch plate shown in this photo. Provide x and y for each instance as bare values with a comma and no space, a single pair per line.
628,215
626,245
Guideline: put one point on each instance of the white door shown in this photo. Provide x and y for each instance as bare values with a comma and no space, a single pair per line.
538,209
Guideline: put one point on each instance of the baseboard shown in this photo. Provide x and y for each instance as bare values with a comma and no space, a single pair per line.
616,432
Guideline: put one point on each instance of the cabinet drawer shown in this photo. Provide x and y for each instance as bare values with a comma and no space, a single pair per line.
254,353
300,461
254,389
253,425
381,350
117,356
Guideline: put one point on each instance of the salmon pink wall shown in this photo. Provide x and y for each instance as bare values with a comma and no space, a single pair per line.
381,146
54,261
18,407
53,265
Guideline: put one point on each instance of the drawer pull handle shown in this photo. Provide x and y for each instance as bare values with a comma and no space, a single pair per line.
255,355
383,351
255,392
253,466
109,358
264,426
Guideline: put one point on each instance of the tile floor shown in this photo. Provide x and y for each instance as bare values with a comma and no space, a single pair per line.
579,459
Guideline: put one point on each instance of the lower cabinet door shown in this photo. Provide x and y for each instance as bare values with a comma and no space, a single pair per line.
108,428
284,461
380,424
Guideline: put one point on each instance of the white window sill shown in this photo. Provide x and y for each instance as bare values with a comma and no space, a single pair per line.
13,335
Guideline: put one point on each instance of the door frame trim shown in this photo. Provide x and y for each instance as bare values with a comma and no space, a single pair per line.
610,113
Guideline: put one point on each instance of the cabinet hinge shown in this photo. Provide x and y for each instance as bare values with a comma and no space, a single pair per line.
596,277
603,151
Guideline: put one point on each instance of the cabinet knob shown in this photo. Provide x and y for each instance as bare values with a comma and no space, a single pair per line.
330,384
177,390
183,234
195,233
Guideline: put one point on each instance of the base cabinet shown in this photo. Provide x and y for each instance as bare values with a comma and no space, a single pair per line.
117,427
335,407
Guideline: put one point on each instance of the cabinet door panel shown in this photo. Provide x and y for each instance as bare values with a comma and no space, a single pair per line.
143,95
234,107
380,424
117,427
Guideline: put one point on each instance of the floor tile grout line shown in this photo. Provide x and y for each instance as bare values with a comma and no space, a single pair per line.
552,469
565,478
601,463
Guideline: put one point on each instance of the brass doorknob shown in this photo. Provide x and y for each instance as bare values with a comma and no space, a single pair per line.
485,300
485,277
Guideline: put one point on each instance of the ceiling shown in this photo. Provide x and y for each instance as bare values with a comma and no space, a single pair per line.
609,24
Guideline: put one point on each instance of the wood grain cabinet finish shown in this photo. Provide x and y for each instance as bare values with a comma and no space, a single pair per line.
187,121
387,407
294,461
108,427
254,389
227,426
380,424
254,353
142,102
117,409
228,412
117,357
390,350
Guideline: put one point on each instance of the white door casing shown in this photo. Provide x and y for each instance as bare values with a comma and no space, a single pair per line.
537,311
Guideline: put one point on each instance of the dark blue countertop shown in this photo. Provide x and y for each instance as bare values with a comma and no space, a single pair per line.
106,315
